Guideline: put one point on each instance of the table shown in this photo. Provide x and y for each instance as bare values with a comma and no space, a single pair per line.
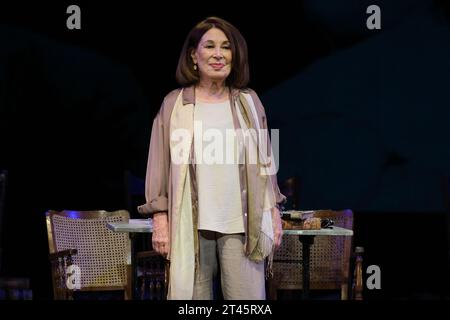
306,237
132,227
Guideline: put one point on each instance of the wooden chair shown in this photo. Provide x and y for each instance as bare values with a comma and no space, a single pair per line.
153,276
15,289
80,240
3,178
11,288
329,264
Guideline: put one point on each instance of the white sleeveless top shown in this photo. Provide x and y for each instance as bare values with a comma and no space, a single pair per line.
217,171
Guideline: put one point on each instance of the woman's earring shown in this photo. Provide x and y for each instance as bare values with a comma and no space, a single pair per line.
195,67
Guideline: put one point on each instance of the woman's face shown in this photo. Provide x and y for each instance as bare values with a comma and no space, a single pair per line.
213,56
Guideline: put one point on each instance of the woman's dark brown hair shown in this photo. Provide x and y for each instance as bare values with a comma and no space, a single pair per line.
239,75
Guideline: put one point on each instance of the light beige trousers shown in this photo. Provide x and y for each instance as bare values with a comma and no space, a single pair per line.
241,278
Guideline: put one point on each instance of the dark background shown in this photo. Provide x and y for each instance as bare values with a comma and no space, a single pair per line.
363,118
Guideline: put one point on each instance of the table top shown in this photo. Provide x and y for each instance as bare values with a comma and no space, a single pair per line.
146,226
334,231
133,225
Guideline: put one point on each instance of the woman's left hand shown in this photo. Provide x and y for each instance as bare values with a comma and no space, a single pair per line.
277,227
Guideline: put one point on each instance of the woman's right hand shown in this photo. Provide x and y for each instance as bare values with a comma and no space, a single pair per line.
160,235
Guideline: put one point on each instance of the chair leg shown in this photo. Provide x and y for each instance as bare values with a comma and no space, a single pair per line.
358,277
344,291
272,290
129,285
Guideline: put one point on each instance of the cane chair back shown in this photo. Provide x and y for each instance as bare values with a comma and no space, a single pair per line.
103,256
329,261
